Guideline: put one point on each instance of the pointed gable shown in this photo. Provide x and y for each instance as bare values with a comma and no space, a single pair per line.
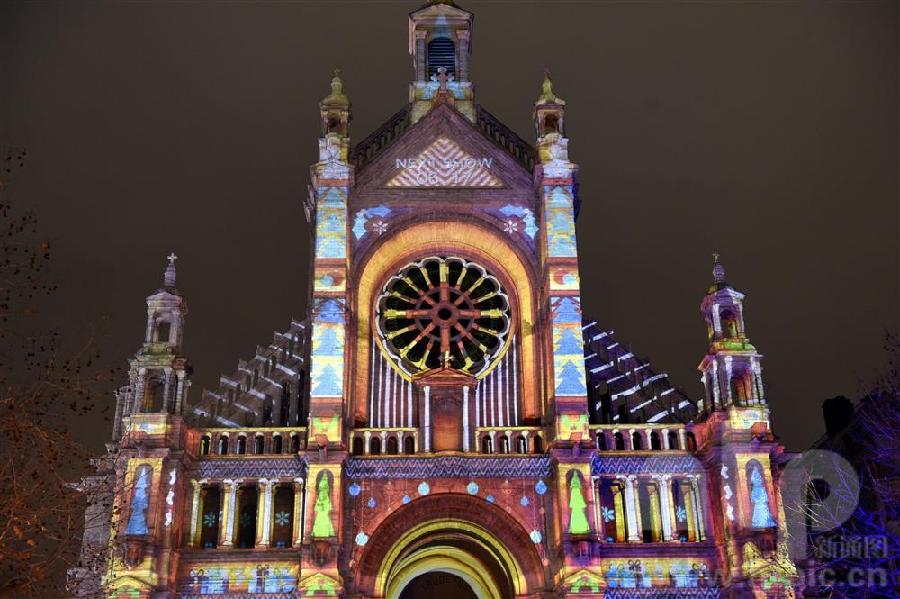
443,150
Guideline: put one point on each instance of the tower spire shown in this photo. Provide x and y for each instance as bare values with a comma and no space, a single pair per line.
169,276
718,270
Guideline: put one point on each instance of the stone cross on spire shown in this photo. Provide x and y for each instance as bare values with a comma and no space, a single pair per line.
169,277
443,78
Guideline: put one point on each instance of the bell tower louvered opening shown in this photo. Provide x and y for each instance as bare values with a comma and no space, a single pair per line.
441,53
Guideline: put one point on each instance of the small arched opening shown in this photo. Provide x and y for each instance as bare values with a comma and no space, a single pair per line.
691,442
673,440
637,441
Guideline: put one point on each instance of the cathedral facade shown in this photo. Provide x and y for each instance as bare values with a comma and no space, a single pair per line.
446,422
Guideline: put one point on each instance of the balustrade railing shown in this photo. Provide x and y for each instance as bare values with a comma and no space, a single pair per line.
249,441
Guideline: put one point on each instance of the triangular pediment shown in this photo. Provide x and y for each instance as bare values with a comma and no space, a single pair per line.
445,377
443,151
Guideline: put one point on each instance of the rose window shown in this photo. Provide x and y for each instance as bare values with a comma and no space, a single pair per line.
443,311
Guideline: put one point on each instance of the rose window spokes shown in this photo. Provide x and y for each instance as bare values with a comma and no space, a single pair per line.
443,312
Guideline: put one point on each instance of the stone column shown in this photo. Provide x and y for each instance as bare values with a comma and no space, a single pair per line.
179,391
699,509
420,55
427,418
298,511
463,36
197,486
465,419
168,399
728,396
631,508
665,497
682,438
228,509
267,512
117,420
715,384
148,337
139,390
261,485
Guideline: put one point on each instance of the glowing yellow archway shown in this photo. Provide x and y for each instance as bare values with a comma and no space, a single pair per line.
442,559
435,237
401,565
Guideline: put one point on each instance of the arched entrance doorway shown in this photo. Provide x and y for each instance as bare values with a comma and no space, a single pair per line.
454,549
438,585
442,538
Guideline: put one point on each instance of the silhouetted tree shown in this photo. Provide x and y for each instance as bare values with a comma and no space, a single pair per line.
41,391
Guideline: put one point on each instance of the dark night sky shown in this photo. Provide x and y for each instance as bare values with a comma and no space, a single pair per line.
766,131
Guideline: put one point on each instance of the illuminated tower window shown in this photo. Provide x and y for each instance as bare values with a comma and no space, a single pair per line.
441,53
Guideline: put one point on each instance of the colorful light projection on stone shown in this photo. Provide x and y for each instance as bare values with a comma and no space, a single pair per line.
322,525
443,312
560,217
519,219
761,516
578,522
137,521
657,572
327,372
444,164
331,223
232,579
568,348
371,220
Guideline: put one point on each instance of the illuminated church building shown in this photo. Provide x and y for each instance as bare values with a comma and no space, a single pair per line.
446,422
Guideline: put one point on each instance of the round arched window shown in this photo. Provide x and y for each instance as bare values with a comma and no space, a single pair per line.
443,311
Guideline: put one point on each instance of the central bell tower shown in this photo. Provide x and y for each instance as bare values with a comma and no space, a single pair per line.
439,43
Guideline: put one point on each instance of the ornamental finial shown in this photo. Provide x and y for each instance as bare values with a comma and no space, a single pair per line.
718,270
169,276
547,96
337,96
